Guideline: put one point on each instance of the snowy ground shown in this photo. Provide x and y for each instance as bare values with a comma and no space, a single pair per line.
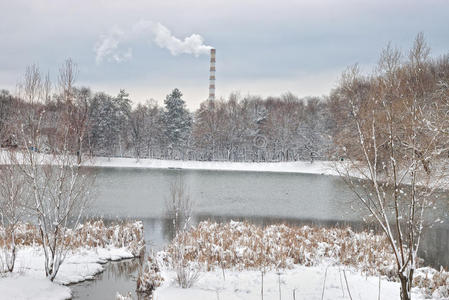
23,286
317,167
80,265
241,249
306,281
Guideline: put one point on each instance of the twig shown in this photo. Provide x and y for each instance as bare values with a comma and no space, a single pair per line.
347,285
341,282
279,283
324,283
223,270
378,297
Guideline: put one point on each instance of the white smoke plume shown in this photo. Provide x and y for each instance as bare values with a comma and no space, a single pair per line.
193,44
109,46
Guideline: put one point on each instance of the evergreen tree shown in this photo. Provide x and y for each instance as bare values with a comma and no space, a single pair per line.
177,121
106,126
122,105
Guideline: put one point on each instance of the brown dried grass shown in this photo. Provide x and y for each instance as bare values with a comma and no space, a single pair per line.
433,282
91,234
245,246
241,245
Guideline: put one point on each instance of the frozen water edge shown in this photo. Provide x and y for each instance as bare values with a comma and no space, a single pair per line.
28,280
306,167
330,168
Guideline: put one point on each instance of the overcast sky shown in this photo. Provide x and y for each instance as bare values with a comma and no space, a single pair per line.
263,47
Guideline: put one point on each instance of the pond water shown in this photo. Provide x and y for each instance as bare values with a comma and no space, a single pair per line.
262,198
118,276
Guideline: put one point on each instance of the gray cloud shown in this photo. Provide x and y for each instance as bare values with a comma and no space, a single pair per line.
263,47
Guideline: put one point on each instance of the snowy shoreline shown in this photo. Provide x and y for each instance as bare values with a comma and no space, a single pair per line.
306,282
305,167
238,260
80,265
91,246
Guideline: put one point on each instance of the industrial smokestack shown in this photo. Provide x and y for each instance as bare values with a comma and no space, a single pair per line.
212,75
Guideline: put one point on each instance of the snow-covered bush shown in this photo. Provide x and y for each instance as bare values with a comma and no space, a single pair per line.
149,277
179,210
97,234
119,296
240,245
187,267
91,234
246,246
432,282
13,203
187,273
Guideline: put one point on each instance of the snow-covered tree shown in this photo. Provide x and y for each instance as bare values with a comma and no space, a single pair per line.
105,127
59,187
7,103
123,112
177,121
13,200
392,137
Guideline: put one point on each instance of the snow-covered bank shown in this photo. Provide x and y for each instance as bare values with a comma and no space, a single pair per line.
230,258
306,167
23,286
81,264
317,167
92,245
305,282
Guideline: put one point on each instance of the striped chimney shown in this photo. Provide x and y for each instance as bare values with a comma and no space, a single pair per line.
212,75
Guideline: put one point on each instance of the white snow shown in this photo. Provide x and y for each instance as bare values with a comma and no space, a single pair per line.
307,282
18,286
29,272
317,167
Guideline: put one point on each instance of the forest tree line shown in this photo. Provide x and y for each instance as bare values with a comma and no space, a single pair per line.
238,128
248,128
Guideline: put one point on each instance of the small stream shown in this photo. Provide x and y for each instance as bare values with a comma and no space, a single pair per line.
118,276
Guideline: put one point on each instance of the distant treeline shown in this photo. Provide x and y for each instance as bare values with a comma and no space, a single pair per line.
239,128
246,128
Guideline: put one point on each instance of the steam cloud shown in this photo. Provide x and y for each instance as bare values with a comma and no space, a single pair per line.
109,47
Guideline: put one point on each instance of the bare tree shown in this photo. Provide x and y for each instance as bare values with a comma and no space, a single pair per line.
178,205
59,186
137,126
12,208
75,107
179,210
393,140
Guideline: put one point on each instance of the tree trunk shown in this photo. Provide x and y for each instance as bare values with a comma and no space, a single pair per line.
78,152
405,290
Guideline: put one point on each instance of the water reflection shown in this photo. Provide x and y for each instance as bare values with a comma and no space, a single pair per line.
117,277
